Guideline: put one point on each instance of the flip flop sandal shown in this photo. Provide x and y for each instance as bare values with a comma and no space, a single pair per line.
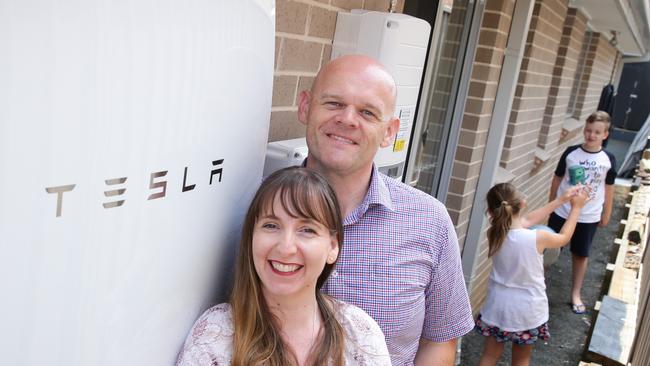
579,308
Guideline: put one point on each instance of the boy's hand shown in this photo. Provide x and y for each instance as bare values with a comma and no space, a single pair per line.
580,198
603,222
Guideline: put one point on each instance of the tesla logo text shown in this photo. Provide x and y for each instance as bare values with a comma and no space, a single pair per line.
115,187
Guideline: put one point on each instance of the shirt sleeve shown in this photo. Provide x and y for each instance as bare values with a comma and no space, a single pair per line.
448,313
610,178
560,170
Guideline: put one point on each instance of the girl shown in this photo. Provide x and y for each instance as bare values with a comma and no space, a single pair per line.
291,238
516,308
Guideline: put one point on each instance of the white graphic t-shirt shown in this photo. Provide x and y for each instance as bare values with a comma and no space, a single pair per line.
600,169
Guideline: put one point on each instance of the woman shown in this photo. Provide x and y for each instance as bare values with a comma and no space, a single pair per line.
291,238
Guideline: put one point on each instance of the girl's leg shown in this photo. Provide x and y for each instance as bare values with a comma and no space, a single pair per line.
491,352
521,354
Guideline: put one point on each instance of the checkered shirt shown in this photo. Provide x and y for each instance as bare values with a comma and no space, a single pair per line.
400,263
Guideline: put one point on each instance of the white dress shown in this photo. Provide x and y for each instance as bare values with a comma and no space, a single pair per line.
210,340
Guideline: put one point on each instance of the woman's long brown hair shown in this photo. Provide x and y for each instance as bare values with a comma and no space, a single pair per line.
503,203
303,193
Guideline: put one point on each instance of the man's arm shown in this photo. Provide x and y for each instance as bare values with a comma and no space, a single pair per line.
448,314
607,205
436,353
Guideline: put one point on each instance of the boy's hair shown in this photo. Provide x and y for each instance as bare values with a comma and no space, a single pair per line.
503,203
599,116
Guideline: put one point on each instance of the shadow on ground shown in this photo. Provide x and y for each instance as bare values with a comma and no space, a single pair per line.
568,330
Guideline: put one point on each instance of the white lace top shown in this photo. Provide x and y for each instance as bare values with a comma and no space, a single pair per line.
210,340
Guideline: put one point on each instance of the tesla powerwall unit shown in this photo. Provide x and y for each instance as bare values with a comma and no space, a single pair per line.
400,42
132,137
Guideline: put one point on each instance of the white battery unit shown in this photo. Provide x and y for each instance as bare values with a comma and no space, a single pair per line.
399,42
132,137
282,154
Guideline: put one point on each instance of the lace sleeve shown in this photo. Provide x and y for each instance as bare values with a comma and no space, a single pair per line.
365,343
209,342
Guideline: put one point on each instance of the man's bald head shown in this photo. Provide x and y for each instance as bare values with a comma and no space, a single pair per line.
375,73
349,114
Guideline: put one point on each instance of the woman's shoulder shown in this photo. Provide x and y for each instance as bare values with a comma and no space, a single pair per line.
220,311
214,322
219,316
210,338
365,340
355,318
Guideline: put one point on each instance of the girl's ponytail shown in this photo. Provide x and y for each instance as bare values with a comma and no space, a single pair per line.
503,203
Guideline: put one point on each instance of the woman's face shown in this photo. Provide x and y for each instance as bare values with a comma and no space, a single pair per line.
290,253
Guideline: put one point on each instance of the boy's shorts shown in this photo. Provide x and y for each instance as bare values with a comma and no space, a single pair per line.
582,236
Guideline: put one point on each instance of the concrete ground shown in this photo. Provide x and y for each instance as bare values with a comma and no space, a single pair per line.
568,330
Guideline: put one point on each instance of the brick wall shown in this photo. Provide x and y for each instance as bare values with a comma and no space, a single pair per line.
599,64
584,48
304,32
536,184
495,27
618,69
539,111
533,86
564,72
478,112
600,61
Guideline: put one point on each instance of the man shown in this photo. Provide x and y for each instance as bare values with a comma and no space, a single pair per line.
400,261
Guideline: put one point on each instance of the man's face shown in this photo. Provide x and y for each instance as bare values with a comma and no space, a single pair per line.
348,115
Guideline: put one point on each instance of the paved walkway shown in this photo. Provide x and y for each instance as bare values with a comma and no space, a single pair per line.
568,330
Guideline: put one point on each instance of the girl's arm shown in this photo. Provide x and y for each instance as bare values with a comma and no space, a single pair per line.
551,240
536,216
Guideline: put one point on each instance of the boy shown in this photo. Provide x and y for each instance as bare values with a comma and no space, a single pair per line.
598,175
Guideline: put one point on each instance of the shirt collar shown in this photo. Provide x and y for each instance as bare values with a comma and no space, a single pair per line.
378,195
378,192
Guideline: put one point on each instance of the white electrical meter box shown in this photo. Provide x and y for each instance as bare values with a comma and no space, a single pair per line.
399,42
286,153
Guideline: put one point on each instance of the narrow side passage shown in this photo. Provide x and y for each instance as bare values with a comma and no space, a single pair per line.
568,330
